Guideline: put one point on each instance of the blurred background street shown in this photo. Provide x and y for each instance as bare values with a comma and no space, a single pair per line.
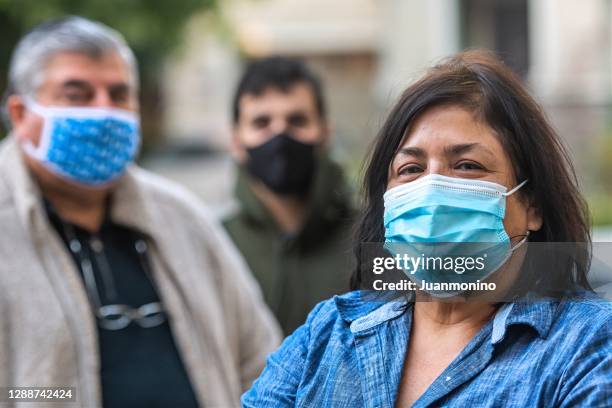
367,51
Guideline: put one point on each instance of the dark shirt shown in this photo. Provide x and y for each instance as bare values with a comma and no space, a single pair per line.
140,367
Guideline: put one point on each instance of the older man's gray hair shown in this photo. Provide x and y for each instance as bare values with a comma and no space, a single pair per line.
68,34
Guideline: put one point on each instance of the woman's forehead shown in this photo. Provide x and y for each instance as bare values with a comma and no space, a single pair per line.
439,128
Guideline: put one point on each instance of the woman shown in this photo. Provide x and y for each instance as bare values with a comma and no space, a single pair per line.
465,132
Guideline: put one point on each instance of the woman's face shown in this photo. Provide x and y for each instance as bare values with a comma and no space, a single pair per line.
447,140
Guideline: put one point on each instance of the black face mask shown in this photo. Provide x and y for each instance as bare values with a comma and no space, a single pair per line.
285,165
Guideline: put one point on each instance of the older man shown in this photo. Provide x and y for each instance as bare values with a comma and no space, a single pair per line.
112,281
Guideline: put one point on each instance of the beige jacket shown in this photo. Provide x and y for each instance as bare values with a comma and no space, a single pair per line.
48,335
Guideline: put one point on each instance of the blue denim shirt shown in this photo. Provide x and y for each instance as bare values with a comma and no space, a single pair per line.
350,353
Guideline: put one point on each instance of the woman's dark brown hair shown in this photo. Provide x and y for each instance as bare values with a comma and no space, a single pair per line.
478,82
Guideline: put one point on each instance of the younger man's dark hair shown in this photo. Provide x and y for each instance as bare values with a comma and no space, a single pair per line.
276,72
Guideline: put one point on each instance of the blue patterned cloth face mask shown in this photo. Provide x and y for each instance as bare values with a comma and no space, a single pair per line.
446,217
87,146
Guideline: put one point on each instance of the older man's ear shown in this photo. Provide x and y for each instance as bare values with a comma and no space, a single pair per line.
15,110
24,124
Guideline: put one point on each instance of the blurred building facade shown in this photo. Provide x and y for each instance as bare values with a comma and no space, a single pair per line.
367,51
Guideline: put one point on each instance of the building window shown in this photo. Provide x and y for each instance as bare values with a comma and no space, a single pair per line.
498,25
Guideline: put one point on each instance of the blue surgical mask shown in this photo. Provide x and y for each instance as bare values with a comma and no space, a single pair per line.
446,216
87,146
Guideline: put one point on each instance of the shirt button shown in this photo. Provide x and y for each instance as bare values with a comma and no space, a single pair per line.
447,378
75,246
96,244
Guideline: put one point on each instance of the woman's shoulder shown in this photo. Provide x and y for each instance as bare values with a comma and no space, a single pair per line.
578,350
586,312
581,325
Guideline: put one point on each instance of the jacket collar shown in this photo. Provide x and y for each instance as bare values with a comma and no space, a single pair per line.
328,201
129,206
17,180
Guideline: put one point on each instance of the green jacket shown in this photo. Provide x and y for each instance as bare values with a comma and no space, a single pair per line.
296,272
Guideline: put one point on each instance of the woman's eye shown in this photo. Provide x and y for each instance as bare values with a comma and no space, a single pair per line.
413,169
469,166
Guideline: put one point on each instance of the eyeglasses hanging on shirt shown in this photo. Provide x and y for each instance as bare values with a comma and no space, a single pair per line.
113,316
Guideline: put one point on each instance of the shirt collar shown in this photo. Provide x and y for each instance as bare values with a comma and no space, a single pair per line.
539,315
365,309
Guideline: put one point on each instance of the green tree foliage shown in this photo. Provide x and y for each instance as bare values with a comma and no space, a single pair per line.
151,27
600,199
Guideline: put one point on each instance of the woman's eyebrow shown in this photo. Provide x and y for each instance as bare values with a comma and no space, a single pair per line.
455,150
411,151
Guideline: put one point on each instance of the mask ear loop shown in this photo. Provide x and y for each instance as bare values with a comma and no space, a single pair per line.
34,106
37,152
515,189
509,193
521,280
521,242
